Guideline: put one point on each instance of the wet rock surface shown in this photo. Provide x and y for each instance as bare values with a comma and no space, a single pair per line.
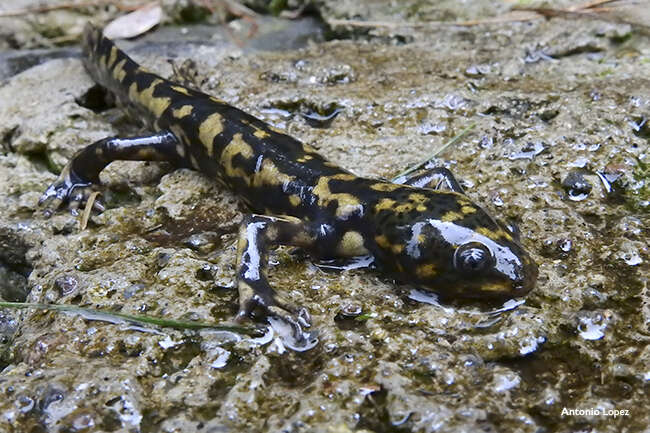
558,105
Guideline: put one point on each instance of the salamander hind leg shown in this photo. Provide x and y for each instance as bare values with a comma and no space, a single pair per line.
257,299
81,175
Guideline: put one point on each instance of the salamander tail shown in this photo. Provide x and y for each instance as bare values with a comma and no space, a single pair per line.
106,64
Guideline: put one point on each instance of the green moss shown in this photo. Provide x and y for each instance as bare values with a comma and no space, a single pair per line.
277,6
639,199
193,13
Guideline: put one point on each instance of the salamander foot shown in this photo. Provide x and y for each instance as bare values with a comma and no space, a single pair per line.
71,189
287,320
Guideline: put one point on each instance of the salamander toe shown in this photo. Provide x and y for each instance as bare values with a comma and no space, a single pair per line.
68,189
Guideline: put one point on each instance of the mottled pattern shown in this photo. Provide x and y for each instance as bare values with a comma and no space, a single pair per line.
416,232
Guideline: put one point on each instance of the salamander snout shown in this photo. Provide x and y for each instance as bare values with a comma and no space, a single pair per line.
494,269
525,278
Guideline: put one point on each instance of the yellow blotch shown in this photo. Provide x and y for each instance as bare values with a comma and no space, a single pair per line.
133,92
322,188
426,271
156,105
209,129
466,210
185,110
237,146
385,186
451,216
487,233
351,245
113,57
404,207
382,241
294,199
421,208
269,174
493,287
146,154
384,204
260,133
305,158
118,72
181,89
347,203
417,198
502,234
308,149
343,176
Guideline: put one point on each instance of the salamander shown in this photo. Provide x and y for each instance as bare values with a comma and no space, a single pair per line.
424,231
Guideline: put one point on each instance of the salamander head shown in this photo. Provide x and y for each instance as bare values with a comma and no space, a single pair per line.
457,253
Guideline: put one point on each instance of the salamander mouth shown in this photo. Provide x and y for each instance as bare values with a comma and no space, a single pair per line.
500,288
495,289
490,285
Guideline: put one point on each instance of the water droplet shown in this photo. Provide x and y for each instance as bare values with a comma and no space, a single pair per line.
530,151
576,186
24,403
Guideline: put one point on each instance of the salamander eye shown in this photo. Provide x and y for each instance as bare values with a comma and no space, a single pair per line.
472,257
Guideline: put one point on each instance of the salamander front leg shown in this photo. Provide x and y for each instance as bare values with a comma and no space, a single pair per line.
434,178
257,299
81,175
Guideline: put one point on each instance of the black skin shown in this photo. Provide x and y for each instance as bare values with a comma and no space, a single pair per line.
425,231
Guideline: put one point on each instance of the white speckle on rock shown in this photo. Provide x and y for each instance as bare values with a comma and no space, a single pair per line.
590,330
168,343
504,382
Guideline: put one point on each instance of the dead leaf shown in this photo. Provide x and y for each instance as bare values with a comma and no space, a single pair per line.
135,23
83,223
